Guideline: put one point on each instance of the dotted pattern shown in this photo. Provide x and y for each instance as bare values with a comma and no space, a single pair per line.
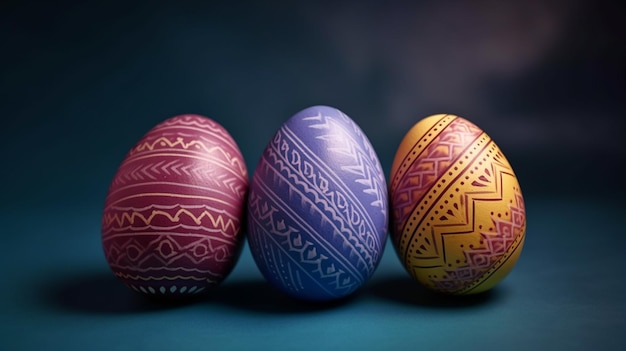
467,223
426,162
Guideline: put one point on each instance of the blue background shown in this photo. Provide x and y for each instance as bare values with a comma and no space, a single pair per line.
80,83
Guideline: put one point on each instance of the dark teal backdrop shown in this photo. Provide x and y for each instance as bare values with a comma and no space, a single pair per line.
81,82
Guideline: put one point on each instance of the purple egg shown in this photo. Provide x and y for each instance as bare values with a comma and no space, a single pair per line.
317,207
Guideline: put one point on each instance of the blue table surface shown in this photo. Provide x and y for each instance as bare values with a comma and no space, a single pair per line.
82,81
566,292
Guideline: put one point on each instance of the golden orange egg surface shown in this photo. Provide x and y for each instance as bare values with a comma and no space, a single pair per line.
458,219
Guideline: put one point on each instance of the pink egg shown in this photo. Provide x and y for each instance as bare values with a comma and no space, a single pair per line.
172,221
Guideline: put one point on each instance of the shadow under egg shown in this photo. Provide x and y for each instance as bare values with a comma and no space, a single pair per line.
258,295
404,290
100,292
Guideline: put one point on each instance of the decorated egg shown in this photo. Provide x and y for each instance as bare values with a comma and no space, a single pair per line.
318,207
458,219
172,221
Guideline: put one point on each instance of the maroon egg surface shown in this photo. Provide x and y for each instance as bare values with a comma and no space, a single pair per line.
172,221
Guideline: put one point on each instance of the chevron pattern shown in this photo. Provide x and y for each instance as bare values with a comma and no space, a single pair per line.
172,218
465,227
294,257
317,209
337,203
195,135
498,244
429,166
164,169
361,158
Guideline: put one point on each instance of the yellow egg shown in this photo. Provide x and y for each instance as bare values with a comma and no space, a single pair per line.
458,219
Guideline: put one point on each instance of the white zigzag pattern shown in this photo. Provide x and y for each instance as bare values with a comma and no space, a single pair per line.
219,219
201,122
208,149
330,211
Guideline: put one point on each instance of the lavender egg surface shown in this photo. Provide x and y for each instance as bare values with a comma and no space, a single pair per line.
171,225
317,207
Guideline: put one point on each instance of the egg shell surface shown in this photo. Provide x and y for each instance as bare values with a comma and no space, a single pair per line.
318,207
458,218
172,221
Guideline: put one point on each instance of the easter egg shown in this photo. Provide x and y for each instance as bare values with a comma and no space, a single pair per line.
458,220
318,207
172,220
